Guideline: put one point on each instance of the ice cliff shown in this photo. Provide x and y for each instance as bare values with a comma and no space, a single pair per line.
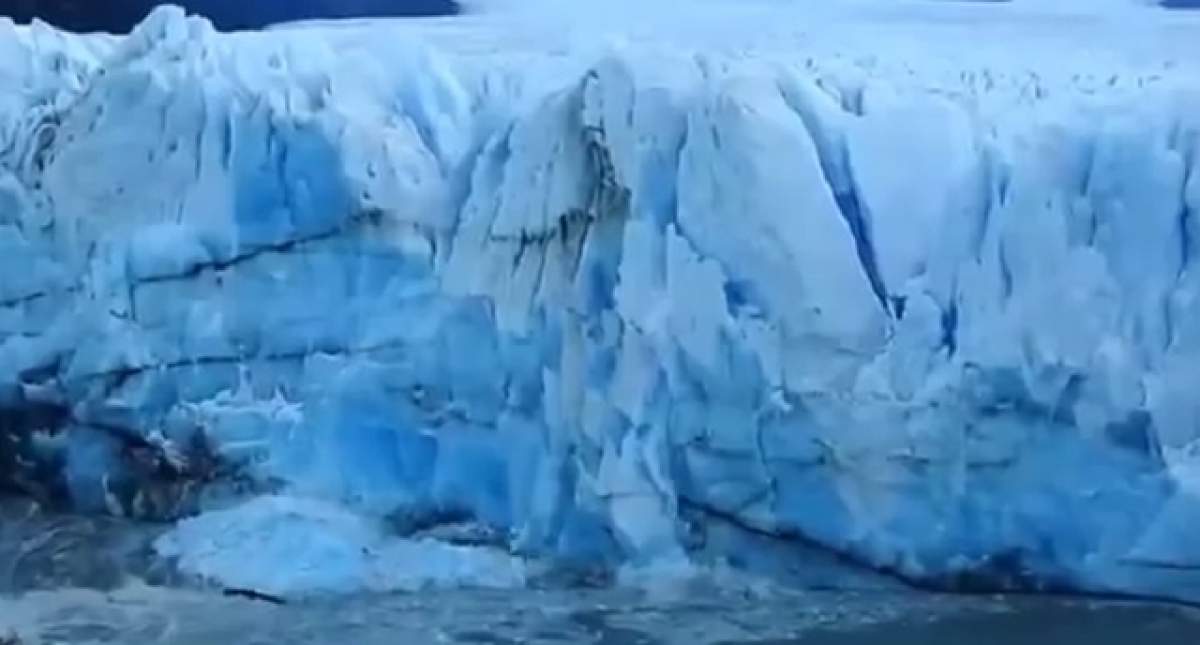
937,313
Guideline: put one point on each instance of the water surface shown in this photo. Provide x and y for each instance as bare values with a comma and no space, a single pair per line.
74,581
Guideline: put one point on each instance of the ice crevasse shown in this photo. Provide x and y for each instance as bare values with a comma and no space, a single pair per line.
939,316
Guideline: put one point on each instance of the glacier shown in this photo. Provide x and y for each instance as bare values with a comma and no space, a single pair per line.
926,298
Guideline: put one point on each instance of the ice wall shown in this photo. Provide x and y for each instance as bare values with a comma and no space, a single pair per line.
941,320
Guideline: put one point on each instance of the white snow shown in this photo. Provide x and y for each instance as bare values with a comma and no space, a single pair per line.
916,281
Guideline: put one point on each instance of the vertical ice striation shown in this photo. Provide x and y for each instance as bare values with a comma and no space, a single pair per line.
944,322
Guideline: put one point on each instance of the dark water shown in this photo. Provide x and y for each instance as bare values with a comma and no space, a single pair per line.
611,617
1034,622
73,581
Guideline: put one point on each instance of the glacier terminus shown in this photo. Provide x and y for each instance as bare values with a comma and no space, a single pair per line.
600,286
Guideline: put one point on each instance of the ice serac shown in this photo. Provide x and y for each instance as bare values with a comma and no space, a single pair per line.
942,320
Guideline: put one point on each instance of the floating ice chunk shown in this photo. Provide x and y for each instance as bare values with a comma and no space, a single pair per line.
286,546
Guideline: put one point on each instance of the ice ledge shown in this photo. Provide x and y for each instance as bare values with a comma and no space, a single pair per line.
944,323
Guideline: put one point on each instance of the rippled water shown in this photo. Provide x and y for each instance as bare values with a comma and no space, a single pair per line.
76,581
611,617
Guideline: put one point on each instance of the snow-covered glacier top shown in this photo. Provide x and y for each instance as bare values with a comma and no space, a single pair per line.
916,283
